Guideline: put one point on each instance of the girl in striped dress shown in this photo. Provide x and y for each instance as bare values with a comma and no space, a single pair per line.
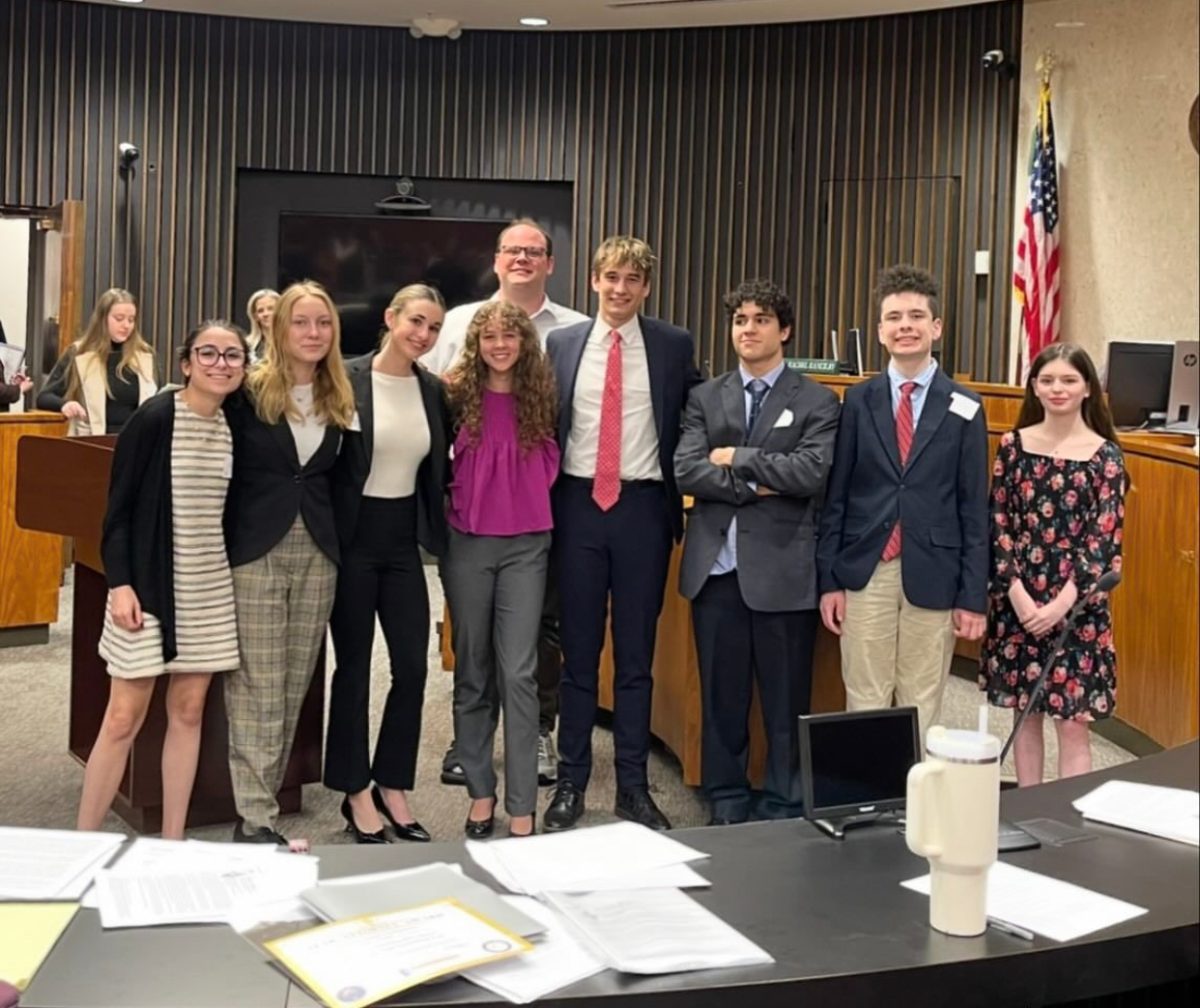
170,601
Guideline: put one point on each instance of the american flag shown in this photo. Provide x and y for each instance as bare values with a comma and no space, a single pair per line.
1036,274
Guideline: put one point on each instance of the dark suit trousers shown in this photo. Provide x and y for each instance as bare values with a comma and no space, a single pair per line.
549,653
736,646
620,556
380,573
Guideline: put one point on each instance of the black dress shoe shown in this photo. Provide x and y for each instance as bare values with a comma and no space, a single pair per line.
565,808
636,805
481,829
361,836
260,834
413,831
452,770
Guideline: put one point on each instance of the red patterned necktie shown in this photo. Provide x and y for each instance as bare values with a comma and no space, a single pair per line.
904,437
606,487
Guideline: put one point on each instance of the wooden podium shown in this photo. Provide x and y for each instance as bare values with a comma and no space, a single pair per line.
62,487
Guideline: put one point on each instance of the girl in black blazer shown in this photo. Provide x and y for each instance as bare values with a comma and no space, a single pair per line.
282,544
389,489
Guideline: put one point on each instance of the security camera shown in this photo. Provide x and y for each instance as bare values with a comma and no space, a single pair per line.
127,154
993,59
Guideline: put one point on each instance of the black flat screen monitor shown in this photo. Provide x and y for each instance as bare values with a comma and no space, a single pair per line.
855,762
362,260
1138,382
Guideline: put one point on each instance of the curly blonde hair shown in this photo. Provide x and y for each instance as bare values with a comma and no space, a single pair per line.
533,388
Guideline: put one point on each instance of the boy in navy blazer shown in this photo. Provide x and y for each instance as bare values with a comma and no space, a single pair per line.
903,552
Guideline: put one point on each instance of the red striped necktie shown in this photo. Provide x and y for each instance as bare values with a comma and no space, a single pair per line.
606,487
904,438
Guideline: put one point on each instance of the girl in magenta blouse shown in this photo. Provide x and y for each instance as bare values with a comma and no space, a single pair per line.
505,461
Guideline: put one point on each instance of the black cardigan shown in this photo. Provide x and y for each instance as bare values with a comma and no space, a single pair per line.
138,542
270,487
354,462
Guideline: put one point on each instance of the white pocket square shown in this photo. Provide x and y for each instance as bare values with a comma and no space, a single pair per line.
785,419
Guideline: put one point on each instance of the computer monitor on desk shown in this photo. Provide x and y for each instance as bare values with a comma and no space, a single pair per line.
854,766
1137,379
1183,406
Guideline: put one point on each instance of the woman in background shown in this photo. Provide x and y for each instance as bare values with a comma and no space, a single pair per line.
389,496
170,601
260,309
282,541
106,374
505,461
1058,503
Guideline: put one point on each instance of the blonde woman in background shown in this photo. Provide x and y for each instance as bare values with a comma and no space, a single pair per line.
260,309
282,541
104,375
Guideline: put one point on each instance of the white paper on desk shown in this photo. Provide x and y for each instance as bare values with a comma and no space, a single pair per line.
654,931
38,864
1173,813
1047,906
555,961
201,896
562,861
355,962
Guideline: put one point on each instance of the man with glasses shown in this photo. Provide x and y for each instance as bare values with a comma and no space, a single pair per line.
524,259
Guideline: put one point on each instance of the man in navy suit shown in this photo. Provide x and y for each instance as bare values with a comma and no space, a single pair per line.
755,452
902,555
623,380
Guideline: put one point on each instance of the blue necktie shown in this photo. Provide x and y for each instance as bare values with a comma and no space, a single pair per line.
758,390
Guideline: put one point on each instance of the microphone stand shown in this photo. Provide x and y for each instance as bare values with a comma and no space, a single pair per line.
1012,837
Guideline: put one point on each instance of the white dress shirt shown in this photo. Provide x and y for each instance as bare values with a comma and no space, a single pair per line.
639,434
445,352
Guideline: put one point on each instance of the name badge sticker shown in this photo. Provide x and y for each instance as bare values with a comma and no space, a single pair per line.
355,423
227,467
962,406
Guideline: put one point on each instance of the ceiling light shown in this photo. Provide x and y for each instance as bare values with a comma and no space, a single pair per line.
535,22
130,1
435,27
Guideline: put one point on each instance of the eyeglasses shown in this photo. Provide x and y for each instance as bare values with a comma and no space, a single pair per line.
529,251
234,357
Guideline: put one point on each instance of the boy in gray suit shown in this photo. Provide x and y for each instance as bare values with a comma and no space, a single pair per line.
755,452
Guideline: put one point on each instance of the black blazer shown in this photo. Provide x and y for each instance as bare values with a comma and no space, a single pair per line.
270,487
789,450
137,546
670,357
354,461
940,496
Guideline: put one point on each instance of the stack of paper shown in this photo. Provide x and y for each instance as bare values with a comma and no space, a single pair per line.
1172,813
38,864
173,882
620,855
1044,905
30,931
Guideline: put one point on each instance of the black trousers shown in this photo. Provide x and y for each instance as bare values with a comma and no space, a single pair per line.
380,574
736,646
549,652
608,559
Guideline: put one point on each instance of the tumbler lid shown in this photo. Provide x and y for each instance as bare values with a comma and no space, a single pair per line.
957,745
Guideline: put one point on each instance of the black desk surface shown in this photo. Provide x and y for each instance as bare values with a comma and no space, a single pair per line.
832,913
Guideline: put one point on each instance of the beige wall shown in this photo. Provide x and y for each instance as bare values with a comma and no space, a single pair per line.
1128,176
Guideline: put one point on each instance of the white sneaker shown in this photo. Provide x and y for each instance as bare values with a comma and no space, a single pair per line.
547,759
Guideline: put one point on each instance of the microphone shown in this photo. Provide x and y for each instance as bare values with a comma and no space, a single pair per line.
1105,583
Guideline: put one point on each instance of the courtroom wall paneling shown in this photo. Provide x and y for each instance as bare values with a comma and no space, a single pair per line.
715,144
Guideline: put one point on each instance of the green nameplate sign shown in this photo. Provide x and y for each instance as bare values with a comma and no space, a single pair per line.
812,365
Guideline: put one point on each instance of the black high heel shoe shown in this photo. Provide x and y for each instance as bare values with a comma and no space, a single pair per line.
481,829
413,831
361,836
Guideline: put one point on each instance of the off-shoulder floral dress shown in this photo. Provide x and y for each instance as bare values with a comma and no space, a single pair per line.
1053,520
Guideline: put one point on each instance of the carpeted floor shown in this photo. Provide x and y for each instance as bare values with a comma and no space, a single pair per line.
39,780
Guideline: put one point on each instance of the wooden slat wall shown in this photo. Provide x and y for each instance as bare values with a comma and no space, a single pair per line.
715,144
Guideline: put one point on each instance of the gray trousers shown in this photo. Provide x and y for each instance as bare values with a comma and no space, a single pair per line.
494,585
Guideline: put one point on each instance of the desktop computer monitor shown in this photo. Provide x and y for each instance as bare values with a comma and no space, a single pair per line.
1183,404
1138,382
855,763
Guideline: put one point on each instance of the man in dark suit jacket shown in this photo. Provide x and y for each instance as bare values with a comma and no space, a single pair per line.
903,549
623,381
755,452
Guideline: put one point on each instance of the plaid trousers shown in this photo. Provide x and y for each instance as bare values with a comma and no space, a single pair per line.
283,603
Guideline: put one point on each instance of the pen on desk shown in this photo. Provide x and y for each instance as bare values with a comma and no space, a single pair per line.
1005,927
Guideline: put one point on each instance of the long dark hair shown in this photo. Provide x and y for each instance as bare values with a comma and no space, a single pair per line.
1095,407
189,342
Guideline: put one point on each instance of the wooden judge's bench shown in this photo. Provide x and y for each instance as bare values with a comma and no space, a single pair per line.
1154,609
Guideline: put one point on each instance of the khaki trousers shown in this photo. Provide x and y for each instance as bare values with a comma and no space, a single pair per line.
893,650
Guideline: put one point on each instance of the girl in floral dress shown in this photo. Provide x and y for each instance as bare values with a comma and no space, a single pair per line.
1057,507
